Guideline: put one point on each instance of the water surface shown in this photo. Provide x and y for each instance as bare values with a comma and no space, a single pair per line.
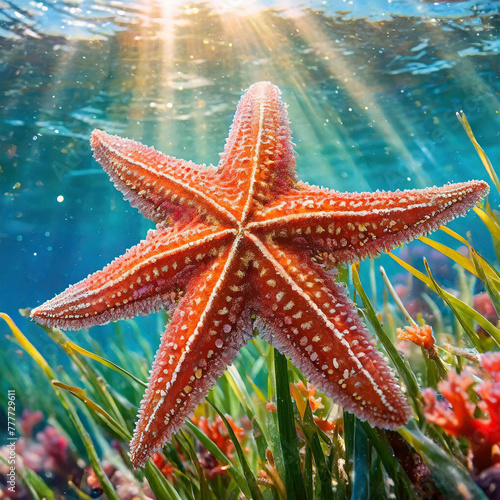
372,87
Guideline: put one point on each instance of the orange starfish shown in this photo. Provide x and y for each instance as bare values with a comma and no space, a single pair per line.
237,244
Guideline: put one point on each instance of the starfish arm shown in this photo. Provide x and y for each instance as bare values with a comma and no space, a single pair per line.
206,331
159,186
351,226
307,316
258,157
143,280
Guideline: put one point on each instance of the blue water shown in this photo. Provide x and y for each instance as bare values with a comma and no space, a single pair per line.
372,88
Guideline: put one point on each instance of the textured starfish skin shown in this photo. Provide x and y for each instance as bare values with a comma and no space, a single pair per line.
237,241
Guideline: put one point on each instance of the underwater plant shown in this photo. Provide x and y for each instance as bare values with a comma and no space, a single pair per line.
293,442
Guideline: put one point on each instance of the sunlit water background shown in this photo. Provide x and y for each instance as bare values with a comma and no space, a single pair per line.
372,87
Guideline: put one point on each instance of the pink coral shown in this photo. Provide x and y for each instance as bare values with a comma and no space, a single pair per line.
456,415
123,482
55,446
29,419
482,304
48,453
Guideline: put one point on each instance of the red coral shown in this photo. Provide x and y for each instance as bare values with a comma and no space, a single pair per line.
308,393
217,432
419,335
271,406
166,468
324,424
458,420
302,394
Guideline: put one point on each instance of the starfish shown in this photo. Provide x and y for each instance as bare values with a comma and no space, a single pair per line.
245,245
